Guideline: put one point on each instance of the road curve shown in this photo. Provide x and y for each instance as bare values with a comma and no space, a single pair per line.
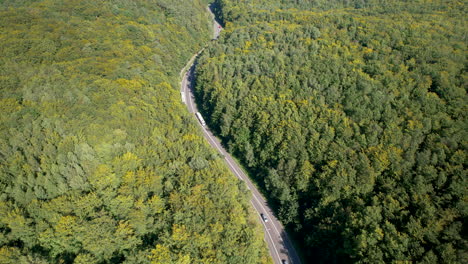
279,244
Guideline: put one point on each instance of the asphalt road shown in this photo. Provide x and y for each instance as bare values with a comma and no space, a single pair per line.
276,237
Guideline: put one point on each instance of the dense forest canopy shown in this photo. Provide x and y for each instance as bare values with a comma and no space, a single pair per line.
99,160
351,115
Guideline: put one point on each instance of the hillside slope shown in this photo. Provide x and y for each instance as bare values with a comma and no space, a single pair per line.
351,115
99,160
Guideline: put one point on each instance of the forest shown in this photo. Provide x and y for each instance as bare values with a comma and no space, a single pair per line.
100,162
351,117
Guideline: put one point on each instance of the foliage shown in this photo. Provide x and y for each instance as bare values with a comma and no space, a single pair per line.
352,119
99,160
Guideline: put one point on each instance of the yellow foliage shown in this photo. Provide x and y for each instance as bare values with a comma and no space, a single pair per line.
131,84
103,177
414,124
379,233
380,155
332,163
179,233
217,228
160,255
9,105
124,230
156,204
85,259
66,225
9,255
247,45
183,259
129,157
190,137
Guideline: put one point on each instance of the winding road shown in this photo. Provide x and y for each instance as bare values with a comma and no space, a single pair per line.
279,244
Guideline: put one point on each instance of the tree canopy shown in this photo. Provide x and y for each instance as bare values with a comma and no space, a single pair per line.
351,115
99,160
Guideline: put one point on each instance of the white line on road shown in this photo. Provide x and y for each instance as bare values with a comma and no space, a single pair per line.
240,177
261,204
273,242
236,172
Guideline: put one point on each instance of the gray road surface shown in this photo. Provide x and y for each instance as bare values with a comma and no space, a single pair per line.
276,237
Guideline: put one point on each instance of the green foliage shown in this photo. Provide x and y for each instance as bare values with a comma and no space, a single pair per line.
99,160
351,115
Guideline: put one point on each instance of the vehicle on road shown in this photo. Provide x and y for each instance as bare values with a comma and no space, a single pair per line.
276,242
200,118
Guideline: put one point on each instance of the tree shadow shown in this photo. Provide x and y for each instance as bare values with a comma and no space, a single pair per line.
217,11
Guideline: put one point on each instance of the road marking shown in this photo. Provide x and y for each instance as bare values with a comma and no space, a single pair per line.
272,241
236,172
216,146
189,93
192,108
240,177
253,194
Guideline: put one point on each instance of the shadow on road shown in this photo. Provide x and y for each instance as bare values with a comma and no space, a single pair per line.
218,13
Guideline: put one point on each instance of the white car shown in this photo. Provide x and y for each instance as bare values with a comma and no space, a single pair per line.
265,219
